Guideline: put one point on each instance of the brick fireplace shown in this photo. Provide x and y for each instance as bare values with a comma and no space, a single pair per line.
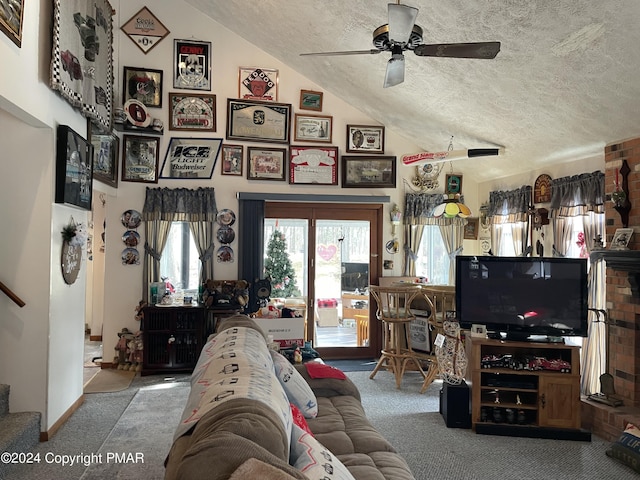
623,300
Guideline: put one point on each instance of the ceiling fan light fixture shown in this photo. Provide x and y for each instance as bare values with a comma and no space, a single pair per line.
401,21
395,70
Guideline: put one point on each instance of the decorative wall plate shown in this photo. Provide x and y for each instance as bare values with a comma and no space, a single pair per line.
226,217
131,219
130,256
131,238
226,235
225,254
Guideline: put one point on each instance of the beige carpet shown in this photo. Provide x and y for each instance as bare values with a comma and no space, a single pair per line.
109,380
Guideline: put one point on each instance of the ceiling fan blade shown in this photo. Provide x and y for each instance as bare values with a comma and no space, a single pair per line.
483,50
395,70
351,52
401,21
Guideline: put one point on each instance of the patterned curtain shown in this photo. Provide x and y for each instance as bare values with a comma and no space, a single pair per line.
162,206
583,195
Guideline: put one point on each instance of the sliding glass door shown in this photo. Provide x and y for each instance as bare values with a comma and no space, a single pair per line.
331,251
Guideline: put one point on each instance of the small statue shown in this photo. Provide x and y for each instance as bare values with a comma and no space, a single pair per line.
597,243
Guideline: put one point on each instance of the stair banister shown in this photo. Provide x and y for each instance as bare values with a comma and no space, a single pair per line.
16,299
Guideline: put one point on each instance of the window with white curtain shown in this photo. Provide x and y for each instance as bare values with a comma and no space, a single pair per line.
506,245
433,259
180,262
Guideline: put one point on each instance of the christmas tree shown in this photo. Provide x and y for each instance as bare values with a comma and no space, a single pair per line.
278,268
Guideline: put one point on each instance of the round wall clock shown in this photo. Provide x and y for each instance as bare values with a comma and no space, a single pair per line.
542,189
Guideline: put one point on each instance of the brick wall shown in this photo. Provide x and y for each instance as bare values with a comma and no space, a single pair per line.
622,304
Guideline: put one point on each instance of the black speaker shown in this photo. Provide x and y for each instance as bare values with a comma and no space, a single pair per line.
455,405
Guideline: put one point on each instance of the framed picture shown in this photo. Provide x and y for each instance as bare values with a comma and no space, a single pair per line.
142,84
258,84
145,30
257,121
140,159
74,158
368,172
191,158
266,163
310,100
313,165
313,128
193,112
192,65
231,163
106,146
453,183
82,57
11,14
365,139
471,229
621,238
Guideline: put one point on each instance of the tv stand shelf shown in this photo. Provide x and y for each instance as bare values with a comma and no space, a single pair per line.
509,397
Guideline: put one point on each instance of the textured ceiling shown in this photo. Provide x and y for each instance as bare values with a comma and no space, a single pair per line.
564,84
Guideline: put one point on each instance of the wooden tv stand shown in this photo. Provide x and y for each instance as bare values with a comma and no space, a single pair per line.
509,399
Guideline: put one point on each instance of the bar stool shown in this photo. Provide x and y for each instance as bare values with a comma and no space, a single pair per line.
442,299
393,310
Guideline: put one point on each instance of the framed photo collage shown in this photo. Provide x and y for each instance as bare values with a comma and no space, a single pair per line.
300,151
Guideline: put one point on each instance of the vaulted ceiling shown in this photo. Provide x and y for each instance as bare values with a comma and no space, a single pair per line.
564,84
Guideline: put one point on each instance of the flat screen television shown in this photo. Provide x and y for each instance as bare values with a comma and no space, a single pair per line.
522,297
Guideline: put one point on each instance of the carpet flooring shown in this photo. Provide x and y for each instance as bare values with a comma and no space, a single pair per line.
145,430
142,418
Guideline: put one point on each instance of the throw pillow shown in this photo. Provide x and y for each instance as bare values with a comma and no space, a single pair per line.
299,420
295,386
627,448
314,460
322,370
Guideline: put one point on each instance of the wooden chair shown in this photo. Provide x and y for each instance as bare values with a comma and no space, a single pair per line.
393,309
362,330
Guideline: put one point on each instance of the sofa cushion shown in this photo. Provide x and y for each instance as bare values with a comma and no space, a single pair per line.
295,386
234,364
342,425
225,437
314,459
627,448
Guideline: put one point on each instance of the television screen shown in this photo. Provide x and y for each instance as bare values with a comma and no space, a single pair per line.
522,296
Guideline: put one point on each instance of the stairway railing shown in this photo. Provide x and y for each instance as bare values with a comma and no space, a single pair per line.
7,291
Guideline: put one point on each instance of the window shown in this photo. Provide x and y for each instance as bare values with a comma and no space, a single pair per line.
507,246
433,259
180,263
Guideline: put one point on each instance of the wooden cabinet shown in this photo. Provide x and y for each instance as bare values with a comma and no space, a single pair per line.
172,338
525,388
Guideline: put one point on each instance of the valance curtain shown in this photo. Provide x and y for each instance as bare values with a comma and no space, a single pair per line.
577,195
511,207
418,212
162,206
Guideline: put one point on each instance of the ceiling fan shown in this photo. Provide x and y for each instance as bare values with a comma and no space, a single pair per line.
402,33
